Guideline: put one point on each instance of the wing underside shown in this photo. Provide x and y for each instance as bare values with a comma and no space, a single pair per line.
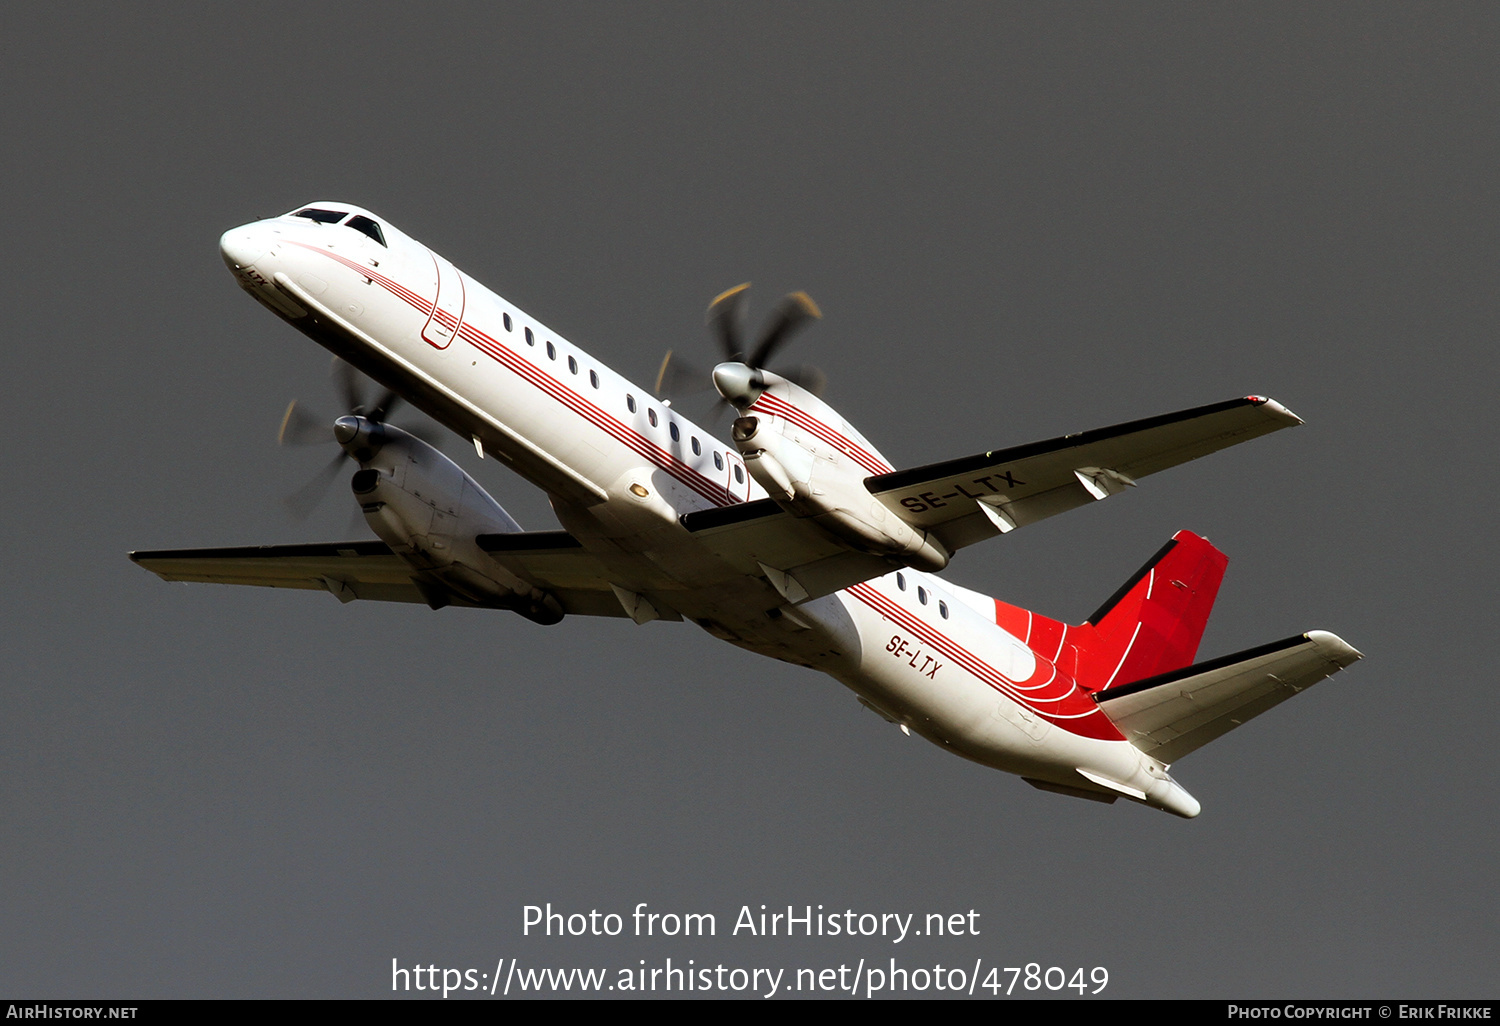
964,501
967,500
369,570
960,502
800,559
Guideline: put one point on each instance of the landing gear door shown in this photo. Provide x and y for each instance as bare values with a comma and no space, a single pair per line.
448,306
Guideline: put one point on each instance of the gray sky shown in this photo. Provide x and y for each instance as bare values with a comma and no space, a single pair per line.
1019,221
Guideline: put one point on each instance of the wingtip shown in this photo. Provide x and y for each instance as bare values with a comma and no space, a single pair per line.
1334,647
1276,408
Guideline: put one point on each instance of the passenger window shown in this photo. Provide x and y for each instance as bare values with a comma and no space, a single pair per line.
551,351
594,378
901,582
922,595
718,461
572,366
508,326
697,449
739,474
943,609
651,416
630,403
530,338
673,429
363,225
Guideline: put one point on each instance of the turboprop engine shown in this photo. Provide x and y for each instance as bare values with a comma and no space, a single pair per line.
430,512
806,458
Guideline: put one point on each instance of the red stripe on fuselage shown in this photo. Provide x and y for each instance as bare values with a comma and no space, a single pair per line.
1082,715
711,490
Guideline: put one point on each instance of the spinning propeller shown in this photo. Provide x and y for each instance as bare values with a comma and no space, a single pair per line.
726,317
301,427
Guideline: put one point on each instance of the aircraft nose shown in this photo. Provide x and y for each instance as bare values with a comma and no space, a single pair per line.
241,247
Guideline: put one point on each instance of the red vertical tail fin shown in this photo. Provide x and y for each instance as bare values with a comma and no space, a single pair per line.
1151,625
1154,622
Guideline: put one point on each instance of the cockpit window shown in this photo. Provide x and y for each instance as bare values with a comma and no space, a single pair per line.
361,223
322,216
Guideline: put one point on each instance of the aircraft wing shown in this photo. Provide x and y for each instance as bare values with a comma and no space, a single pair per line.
552,560
801,561
1173,714
967,500
556,562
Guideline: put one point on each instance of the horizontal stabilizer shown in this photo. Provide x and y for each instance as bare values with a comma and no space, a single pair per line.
1172,714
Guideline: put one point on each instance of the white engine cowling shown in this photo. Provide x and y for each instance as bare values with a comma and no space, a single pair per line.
429,511
820,484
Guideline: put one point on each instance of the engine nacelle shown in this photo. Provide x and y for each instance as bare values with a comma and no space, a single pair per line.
429,511
809,477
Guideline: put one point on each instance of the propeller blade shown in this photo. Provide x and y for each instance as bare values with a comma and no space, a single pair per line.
808,376
725,315
792,313
298,427
678,376
432,437
717,410
304,500
346,382
388,402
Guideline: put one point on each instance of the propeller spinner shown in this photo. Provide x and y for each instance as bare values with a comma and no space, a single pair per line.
737,378
355,432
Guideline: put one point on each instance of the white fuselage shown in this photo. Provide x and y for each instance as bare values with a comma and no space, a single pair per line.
921,652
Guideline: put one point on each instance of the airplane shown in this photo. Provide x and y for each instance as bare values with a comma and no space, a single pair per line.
799,541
